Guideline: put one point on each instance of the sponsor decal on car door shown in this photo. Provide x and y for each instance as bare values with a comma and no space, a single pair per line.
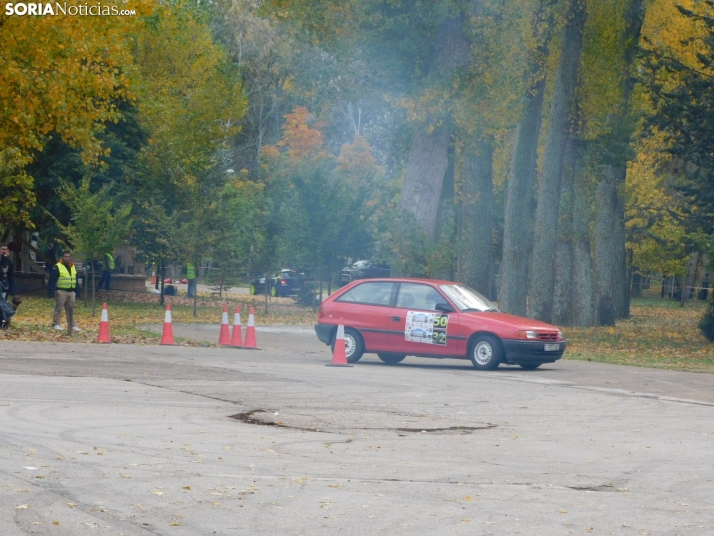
426,328
417,327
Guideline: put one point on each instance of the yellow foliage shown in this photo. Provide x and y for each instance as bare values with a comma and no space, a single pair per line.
655,234
64,74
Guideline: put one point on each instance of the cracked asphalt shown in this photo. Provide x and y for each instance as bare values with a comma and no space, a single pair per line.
132,440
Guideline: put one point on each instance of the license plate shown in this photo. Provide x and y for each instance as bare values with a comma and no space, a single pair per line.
552,347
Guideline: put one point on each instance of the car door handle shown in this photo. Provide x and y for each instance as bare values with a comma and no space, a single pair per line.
396,318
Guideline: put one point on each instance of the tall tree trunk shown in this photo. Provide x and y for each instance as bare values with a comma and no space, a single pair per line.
446,223
611,282
689,279
606,258
428,157
517,227
563,291
583,284
541,280
475,257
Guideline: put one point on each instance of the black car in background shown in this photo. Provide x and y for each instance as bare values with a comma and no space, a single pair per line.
364,269
287,283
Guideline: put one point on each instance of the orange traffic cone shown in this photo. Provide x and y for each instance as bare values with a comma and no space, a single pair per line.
339,359
104,326
167,337
237,339
224,339
250,343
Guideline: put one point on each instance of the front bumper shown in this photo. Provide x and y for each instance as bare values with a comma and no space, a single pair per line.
324,332
528,352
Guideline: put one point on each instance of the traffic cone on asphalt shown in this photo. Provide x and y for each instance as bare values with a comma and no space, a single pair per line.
167,337
237,339
224,339
104,326
339,358
250,343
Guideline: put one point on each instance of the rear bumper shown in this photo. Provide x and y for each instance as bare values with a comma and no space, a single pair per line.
324,332
532,351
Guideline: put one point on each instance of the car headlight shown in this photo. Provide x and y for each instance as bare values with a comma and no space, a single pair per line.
526,335
560,335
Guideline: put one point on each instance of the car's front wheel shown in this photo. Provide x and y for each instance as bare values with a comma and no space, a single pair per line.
485,352
354,345
391,359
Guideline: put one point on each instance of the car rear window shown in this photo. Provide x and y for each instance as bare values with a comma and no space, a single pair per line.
371,293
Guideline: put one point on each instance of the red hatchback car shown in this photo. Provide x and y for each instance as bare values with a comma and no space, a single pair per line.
395,318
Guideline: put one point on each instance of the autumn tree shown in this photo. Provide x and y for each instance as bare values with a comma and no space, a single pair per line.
190,103
520,201
678,80
60,76
97,226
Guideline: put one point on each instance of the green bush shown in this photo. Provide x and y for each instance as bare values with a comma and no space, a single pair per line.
706,324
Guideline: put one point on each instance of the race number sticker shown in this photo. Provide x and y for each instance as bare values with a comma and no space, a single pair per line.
426,328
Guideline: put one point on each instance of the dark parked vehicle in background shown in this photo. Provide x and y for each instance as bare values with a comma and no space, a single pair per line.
364,269
287,283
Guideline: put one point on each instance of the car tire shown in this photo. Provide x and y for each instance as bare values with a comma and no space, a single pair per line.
529,366
354,345
252,290
485,352
391,359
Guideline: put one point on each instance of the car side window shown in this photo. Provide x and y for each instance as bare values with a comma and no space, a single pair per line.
417,296
372,293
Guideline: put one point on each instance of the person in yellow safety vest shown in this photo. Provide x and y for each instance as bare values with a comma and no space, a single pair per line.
64,287
191,276
107,272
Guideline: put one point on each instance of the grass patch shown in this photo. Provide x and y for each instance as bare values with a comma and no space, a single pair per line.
659,334
128,311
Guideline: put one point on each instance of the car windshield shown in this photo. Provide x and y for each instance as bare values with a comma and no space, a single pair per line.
467,299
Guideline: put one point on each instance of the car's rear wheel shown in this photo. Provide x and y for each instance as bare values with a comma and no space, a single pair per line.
485,352
529,366
354,345
391,359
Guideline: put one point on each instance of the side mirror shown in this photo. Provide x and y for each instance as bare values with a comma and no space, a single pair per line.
444,308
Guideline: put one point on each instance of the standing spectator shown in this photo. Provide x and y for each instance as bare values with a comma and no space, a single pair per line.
7,273
64,288
106,272
191,276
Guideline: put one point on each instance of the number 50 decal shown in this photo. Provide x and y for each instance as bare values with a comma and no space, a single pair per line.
441,324
441,321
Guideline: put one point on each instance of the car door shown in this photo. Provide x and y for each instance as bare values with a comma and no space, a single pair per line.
417,327
367,307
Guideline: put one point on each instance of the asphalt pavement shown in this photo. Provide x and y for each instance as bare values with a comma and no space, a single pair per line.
145,440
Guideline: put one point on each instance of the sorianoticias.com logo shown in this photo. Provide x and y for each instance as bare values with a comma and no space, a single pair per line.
57,8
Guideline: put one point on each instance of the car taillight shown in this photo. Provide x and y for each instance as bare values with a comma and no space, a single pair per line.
283,282
526,335
320,312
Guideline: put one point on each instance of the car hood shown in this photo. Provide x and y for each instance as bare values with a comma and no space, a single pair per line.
509,320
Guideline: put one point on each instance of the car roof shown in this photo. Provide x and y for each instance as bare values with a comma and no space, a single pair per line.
409,280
